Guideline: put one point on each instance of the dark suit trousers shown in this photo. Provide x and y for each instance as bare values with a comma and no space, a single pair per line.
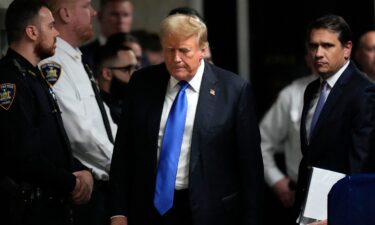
96,211
180,213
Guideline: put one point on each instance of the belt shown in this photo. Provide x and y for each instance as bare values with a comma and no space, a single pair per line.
35,195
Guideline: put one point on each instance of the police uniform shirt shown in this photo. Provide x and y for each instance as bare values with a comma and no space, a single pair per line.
80,111
34,146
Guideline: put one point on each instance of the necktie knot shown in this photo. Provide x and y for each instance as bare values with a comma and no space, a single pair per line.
324,86
183,85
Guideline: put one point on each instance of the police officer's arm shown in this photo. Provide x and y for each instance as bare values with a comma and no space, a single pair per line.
24,146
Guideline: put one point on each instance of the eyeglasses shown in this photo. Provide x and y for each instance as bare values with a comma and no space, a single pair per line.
127,69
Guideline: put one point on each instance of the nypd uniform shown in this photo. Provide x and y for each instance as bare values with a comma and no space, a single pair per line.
84,122
35,156
80,111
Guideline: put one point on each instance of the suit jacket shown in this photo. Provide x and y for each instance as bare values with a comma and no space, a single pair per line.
340,140
226,170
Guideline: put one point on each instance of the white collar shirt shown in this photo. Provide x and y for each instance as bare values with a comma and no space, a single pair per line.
192,94
331,81
80,111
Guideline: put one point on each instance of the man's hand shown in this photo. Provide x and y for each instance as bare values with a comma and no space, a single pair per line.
119,220
84,185
284,193
323,222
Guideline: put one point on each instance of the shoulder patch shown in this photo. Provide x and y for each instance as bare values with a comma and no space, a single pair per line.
51,72
7,95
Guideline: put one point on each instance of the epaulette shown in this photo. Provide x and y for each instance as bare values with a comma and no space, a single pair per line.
19,67
31,73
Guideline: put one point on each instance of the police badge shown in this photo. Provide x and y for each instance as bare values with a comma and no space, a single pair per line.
51,72
7,94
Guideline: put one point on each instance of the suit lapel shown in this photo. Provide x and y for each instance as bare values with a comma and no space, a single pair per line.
157,92
311,89
333,98
208,94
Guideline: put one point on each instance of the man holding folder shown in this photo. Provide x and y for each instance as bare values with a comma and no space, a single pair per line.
337,118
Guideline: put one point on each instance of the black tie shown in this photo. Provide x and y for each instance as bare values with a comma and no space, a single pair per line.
100,103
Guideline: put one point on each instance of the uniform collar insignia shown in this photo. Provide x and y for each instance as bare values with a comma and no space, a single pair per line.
7,94
51,72
32,73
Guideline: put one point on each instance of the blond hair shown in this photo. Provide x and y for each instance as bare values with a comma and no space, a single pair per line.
184,26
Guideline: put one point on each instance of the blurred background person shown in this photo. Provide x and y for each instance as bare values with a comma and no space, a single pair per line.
115,67
121,39
114,16
152,49
281,148
365,54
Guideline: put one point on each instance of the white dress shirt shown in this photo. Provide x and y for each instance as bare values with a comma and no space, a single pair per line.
80,111
192,94
280,131
331,81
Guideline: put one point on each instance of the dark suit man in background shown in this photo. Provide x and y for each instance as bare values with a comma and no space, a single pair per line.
40,177
220,172
114,16
334,136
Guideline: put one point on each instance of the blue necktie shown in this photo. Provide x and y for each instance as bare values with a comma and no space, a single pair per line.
319,106
170,152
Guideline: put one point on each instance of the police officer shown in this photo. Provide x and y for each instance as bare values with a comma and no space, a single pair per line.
39,176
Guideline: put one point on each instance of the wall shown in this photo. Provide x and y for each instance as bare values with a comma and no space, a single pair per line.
149,13
5,3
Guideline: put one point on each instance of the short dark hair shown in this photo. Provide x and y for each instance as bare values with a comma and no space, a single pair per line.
108,53
19,14
334,23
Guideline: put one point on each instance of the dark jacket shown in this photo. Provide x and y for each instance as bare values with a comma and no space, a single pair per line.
35,152
340,140
226,170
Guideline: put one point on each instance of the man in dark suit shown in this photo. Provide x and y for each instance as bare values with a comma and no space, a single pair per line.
219,177
337,117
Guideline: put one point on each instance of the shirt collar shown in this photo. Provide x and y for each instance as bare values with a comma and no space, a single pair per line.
194,83
331,81
75,53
